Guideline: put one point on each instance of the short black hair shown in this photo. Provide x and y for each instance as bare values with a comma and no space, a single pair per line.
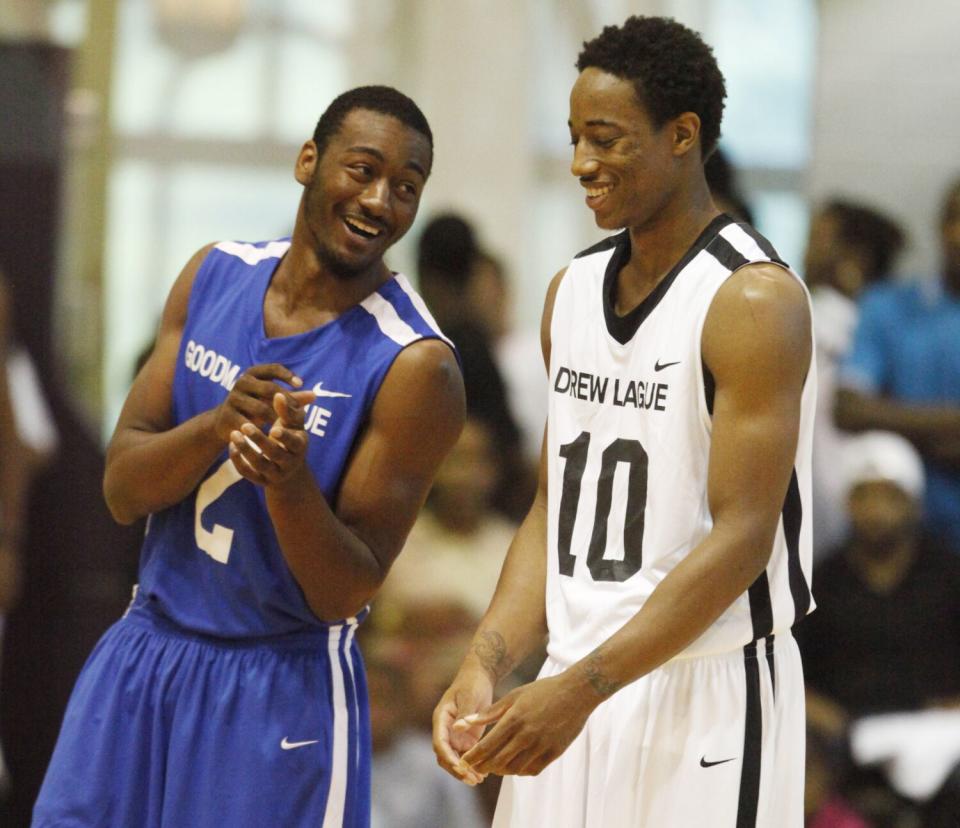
447,249
878,237
383,99
672,70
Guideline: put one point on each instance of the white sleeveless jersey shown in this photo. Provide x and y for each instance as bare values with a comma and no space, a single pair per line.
628,446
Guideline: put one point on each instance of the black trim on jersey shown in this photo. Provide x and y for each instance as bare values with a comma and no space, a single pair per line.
622,328
761,609
770,665
604,244
725,253
752,741
792,521
768,249
709,386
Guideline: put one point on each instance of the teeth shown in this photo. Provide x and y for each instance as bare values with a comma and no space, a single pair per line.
593,192
363,227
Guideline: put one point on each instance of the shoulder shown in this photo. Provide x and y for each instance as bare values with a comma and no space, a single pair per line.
758,324
424,377
763,296
607,245
546,319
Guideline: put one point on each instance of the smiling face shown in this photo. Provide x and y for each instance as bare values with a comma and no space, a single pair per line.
628,166
362,194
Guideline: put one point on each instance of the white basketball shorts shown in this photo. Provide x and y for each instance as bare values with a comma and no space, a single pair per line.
709,742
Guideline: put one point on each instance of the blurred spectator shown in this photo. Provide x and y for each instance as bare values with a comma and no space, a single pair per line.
824,805
517,351
849,248
446,256
27,438
722,180
886,634
456,548
902,373
409,790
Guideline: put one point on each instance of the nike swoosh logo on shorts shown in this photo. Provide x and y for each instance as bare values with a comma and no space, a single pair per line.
291,745
705,764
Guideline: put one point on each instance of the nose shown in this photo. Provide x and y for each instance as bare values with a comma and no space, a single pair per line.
583,164
375,198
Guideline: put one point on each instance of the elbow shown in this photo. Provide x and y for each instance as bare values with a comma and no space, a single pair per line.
121,510
847,410
336,608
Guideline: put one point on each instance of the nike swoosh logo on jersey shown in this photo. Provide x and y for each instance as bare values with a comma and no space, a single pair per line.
320,392
291,745
659,367
705,764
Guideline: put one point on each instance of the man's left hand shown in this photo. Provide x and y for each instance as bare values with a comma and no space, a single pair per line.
273,458
534,724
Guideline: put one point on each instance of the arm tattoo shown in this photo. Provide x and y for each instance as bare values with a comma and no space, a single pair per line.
491,650
593,669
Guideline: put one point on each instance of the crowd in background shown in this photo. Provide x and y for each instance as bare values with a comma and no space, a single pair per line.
881,652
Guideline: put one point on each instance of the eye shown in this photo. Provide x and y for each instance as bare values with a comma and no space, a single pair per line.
362,170
605,143
407,190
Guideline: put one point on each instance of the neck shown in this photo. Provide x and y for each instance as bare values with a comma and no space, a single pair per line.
305,279
660,243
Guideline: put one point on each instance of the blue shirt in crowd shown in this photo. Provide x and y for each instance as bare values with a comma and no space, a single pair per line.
907,347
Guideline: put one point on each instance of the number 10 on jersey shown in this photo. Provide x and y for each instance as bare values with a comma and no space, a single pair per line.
620,450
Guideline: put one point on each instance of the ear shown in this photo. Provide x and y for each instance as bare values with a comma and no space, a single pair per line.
306,163
686,133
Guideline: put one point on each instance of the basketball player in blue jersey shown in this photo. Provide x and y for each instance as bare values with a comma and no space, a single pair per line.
281,437
667,553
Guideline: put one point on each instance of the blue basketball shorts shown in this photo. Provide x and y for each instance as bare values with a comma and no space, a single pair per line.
168,728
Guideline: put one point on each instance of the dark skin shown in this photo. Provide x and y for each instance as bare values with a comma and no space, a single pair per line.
369,177
935,428
756,343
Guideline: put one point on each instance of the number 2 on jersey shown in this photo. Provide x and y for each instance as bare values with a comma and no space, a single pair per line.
619,451
216,542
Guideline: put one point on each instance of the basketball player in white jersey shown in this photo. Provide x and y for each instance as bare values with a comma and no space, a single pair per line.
667,553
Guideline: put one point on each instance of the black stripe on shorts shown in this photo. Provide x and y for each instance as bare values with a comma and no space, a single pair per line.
752,739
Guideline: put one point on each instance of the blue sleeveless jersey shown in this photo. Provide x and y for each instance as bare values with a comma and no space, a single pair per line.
212,562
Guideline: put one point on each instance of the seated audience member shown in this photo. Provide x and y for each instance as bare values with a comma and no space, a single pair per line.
886,633
409,790
902,372
446,256
850,247
518,354
824,805
456,548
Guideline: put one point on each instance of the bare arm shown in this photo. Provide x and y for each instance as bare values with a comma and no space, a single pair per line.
14,474
150,463
341,555
515,622
933,429
757,344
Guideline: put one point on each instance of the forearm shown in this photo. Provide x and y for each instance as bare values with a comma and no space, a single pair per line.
683,606
149,471
515,622
338,571
924,425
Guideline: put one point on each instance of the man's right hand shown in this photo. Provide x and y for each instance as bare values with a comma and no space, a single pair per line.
251,398
471,692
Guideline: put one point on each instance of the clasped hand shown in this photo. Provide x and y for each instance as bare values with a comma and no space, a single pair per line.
532,726
257,401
